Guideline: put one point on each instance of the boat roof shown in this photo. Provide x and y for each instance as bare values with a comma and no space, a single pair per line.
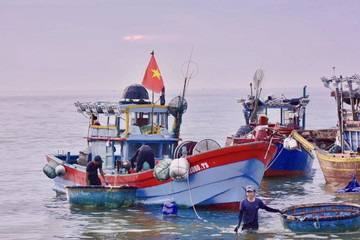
117,108
279,103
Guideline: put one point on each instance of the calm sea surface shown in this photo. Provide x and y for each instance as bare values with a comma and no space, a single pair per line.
34,124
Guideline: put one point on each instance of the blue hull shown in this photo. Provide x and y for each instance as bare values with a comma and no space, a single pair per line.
326,218
200,189
290,162
203,188
101,196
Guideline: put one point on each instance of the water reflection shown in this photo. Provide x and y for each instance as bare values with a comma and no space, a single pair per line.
342,197
148,222
285,188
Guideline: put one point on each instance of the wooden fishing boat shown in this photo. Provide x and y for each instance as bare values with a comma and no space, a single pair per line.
322,217
291,115
337,167
101,196
338,150
215,176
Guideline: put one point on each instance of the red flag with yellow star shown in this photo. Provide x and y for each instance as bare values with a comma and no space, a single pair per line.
152,78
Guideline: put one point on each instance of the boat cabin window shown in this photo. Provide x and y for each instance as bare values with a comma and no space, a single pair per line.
105,120
273,115
98,148
288,117
161,119
142,119
132,148
117,151
156,148
167,150
160,150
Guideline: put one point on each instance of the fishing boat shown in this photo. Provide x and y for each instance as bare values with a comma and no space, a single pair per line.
189,173
101,196
338,149
322,218
279,116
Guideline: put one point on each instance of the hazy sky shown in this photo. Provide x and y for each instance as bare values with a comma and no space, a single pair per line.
70,44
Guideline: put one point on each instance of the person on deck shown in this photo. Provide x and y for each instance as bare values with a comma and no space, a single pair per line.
96,121
248,213
142,155
92,177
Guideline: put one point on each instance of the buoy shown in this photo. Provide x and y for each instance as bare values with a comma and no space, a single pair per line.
162,171
179,169
49,169
60,170
170,208
290,143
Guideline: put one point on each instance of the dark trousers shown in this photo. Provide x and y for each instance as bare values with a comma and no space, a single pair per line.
95,181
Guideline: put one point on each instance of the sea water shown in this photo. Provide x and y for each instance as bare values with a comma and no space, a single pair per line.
37,123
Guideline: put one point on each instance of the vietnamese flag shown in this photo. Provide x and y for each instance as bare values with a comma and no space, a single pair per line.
152,78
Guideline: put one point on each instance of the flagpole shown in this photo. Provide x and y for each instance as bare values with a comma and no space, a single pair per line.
152,112
153,81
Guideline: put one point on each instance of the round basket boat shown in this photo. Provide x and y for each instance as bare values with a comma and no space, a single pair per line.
322,217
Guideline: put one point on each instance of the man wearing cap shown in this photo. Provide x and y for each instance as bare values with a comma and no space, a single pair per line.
92,173
248,213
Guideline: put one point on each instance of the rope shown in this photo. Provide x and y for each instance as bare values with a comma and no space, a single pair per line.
191,200
267,151
317,223
274,159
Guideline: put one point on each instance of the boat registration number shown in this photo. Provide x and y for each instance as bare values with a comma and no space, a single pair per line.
199,167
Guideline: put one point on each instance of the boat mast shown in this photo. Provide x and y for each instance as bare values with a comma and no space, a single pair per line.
304,96
258,78
339,110
351,95
338,98
342,115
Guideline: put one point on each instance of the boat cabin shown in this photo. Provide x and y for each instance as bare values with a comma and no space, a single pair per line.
118,129
276,112
125,128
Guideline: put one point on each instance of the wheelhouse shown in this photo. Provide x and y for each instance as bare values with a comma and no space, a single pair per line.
117,130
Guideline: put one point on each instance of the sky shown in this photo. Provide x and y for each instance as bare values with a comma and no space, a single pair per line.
67,45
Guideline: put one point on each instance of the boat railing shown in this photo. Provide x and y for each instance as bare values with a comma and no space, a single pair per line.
352,124
323,212
103,131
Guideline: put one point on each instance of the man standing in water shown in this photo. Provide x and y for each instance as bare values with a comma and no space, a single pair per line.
249,208
92,173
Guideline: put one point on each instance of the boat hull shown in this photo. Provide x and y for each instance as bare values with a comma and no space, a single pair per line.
101,196
322,217
286,162
217,178
337,169
290,162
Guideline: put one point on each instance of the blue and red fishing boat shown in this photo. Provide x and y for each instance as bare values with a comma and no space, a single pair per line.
188,173
279,116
